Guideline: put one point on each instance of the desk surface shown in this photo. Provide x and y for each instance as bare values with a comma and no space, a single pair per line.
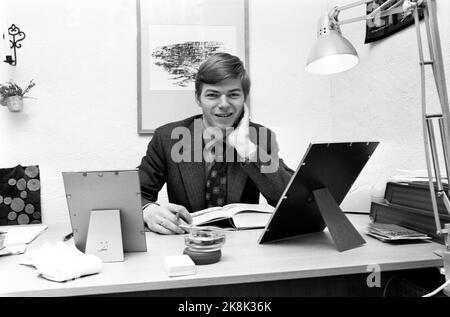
243,261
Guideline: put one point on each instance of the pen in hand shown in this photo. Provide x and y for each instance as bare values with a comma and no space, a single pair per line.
181,223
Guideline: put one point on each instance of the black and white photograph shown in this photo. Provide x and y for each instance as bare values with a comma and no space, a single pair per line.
221,156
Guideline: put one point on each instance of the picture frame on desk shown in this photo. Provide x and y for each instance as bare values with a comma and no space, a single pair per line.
174,37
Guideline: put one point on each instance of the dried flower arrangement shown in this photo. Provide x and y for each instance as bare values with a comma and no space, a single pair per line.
12,89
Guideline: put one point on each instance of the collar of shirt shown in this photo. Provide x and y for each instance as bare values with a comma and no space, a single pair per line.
211,132
211,140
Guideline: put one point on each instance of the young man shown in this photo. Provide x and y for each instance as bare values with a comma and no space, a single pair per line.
213,159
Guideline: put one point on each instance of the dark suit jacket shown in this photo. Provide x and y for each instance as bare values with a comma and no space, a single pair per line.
186,179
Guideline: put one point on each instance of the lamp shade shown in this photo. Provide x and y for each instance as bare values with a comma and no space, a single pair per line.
332,53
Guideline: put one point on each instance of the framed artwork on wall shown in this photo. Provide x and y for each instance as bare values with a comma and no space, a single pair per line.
174,37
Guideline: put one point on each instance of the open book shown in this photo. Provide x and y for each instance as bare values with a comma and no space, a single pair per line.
238,216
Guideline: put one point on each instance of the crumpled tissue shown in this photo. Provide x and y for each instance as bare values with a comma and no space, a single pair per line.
61,262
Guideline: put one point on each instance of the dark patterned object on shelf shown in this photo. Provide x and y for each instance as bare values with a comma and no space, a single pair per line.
20,195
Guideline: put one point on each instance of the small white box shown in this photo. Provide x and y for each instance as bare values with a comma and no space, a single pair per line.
178,265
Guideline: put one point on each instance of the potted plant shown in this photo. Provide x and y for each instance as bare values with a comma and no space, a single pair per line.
11,95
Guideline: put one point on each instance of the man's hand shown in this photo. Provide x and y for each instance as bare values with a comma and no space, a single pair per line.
239,138
166,219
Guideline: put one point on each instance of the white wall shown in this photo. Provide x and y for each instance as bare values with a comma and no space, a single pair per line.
295,105
82,55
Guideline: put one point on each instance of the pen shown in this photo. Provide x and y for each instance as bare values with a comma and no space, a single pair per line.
179,220
181,223
68,236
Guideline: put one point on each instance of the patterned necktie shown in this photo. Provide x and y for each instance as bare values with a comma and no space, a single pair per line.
216,185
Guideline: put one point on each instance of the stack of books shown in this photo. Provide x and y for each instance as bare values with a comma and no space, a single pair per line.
394,233
408,204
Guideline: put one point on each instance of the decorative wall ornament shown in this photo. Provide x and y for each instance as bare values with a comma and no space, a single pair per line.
13,44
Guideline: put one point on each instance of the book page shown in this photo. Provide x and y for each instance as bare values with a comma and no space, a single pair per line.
244,220
233,209
208,215
228,211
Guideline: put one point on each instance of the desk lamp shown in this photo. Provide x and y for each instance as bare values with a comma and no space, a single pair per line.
332,53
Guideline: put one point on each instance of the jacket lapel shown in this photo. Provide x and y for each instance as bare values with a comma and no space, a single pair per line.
193,171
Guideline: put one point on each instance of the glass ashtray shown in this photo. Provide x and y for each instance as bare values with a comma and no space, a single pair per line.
204,239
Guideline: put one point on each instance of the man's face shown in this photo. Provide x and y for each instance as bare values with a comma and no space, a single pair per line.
222,103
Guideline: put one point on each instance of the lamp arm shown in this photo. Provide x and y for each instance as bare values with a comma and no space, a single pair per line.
382,11
381,7
351,5
370,16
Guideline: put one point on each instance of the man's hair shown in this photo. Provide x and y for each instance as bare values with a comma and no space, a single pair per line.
219,67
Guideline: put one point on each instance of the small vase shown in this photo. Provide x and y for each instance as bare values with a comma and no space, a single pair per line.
14,103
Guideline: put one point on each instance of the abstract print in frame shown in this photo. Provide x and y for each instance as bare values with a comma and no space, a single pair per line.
174,37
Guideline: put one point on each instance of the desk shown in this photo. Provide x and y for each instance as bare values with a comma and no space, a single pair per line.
243,262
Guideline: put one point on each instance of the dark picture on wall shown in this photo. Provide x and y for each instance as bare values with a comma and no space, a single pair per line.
382,26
